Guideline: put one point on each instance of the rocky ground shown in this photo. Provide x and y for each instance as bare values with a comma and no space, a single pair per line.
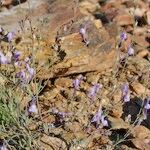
74,75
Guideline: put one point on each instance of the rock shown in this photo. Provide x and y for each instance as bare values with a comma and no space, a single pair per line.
50,143
92,78
63,82
98,56
141,144
87,7
139,63
50,94
22,11
117,112
139,30
143,53
139,89
141,41
139,12
98,23
148,17
64,22
141,138
47,19
140,132
117,96
124,19
8,3
118,123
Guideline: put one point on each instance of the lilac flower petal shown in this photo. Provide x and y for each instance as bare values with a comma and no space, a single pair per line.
130,51
15,56
84,35
94,90
147,103
82,31
22,75
33,108
30,70
147,106
104,122
126,97
76,84
123,36
10,36
99,118
3,59
3,147
125,93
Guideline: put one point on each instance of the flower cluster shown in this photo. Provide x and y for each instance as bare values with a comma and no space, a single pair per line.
123,36
3,58
99,118
146,107
130,51
27,74
83,32
32,108
125,93
2,145
94,90
10,36
76,83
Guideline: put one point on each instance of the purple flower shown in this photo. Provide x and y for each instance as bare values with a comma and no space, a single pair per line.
123,36
10,36
130,51
83,32
147,103
99,118
31,71
94,90
22,75
77,81
146,107
104,122
128,118
125,93
32,109
15,56
76,84
3,147
3,59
